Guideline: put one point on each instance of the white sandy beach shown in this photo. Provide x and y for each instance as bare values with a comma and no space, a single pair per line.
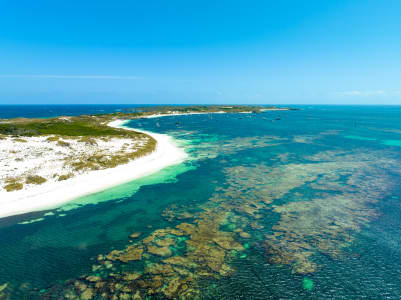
54,194
181,114
176,113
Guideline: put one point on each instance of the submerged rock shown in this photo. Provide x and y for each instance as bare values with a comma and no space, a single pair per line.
227,242
3,287
135,235
180,261
87,294
245,235
160,251
93,278
131,276
159,269
165,242
132,252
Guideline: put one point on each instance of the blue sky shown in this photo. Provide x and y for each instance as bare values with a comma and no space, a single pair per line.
270,52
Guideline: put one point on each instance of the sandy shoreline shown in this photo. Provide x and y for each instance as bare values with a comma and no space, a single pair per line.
48,196
181,114
55,194
205,113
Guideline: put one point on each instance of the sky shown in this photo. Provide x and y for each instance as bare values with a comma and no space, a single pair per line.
190,52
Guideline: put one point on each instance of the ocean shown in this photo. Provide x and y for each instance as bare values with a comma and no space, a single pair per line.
299,204
52,110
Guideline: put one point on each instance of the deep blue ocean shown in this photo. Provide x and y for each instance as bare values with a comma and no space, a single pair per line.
49,111
299,204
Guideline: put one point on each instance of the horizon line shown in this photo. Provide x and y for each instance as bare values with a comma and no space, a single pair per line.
49,76
198,104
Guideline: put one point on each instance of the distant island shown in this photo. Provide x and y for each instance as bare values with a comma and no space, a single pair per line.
47,162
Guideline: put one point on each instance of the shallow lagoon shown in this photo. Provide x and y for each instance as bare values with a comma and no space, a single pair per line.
304,207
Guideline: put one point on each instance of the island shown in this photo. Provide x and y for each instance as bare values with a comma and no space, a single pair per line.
47,162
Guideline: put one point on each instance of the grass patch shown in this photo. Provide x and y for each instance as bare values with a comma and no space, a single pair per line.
52,138
101,161
88,141
13,184
35,179
60,128
65,176
20,140
63,144
96,126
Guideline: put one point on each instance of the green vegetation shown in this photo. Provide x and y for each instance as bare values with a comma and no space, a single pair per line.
52,138
13,184
63,144
164,109
20,140
88,141
96,125
35,179
65,176
100,161
58,127
87,129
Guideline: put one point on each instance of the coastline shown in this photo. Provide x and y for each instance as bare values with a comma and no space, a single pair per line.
205,113
52,195
180,114
49,196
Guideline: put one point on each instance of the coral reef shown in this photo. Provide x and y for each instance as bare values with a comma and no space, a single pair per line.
294,211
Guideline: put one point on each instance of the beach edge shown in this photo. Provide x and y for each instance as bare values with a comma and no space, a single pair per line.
40,198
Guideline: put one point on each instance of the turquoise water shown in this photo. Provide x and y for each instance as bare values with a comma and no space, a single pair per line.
305,207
